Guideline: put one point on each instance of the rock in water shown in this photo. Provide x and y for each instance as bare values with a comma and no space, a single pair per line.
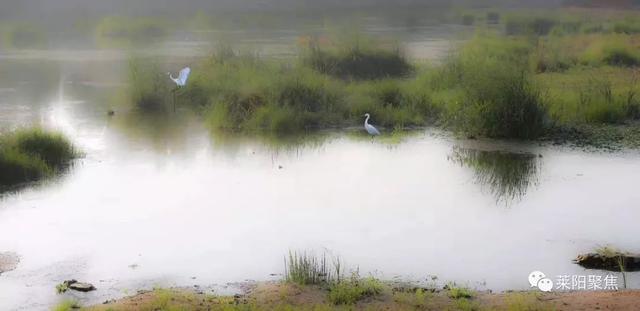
79,286
610,262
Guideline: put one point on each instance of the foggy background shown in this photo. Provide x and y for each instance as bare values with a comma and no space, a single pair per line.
51,8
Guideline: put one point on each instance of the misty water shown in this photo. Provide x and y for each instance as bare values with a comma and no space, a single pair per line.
163,201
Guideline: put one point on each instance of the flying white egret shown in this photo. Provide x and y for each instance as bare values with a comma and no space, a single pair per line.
182,78
180,81
370,128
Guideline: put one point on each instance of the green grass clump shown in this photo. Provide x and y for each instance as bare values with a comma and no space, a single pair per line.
357,59
242,91
148,87
500,98
457,292
306,269
32,154
613,50
352,290
392,103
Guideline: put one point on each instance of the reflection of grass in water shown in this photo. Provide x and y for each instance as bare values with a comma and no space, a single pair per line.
508,175
160,131
271,141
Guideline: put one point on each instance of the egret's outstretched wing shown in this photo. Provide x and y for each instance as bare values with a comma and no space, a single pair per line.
184,76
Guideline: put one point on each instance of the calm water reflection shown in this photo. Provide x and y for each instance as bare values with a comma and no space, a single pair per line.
507,175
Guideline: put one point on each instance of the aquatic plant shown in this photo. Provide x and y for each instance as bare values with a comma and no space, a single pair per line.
305,269
457,292
500,99
148,89
356,58
354,289
32,154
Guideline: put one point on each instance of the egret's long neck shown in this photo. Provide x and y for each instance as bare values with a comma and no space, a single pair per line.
366,121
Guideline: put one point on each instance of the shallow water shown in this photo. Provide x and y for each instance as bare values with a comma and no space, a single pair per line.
161,201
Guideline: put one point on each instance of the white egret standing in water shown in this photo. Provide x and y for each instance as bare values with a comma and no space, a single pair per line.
370,128
180,81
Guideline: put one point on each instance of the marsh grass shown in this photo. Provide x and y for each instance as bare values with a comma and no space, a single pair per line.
354,289
500,99
306,269
457,292
32,154
148,87
356,58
